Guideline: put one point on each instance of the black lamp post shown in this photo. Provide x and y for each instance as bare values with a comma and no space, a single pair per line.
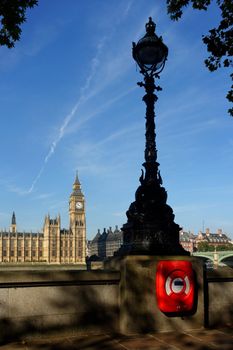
150,228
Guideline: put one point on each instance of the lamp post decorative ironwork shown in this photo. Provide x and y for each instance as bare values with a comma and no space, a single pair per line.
150,228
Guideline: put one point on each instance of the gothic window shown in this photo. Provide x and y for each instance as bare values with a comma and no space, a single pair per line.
33,253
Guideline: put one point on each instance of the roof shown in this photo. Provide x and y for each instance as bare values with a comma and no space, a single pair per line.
115,236
209,237
13,220
76,187
97,236
109,235
187,236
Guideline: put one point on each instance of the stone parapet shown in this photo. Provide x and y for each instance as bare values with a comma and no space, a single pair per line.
139,312
46,301
121,298
219,297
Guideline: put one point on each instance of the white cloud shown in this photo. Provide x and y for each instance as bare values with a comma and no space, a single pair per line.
83,97
86,117
41,36
93,156
44,196
58,205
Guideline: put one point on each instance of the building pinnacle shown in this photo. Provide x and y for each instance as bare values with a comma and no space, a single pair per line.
13,220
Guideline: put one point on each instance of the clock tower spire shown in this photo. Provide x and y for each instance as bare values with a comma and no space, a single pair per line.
78,221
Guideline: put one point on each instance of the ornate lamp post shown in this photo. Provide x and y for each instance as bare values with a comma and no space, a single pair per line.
150,228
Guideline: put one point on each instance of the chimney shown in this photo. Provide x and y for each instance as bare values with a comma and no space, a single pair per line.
219,232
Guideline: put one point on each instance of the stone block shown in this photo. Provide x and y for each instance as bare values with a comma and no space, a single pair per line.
52,301
139,311
4,303
220,303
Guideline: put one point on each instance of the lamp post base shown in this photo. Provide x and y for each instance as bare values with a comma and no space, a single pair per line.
147,239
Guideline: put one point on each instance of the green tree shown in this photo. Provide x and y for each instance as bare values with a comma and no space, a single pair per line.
219,41
12,15
205,247
225,247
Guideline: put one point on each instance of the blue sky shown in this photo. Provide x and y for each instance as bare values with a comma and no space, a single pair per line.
69,100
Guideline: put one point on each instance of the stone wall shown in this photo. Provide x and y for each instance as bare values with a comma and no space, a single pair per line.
120,299
46,301
139,312
219,297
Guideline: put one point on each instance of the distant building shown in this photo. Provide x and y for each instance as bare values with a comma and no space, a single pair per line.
189,241
214,239
53,245
88,247
106,244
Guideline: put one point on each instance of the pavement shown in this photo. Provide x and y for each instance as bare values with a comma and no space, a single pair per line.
203,339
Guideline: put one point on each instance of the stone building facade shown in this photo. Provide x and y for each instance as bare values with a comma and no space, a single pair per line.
54,245
189,241
106,244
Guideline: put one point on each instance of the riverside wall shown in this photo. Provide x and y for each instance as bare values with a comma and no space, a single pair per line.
120,298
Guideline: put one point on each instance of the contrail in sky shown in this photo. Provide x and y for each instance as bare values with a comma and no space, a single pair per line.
83,97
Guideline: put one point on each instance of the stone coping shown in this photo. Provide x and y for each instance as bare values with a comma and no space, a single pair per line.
22,277
40,266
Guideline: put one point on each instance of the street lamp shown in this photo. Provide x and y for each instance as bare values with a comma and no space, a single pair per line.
150,53
150,228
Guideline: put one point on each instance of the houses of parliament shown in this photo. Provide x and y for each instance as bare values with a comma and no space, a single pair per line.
54,245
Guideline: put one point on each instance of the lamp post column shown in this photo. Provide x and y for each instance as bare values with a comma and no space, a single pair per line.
150,228
150,98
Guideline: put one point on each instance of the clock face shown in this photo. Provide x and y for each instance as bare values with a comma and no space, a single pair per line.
79,205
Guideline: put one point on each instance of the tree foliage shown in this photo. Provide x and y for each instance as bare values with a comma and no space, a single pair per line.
205,247
219,41
12,15
225,247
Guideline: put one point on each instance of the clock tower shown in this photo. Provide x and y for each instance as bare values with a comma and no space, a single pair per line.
78,222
